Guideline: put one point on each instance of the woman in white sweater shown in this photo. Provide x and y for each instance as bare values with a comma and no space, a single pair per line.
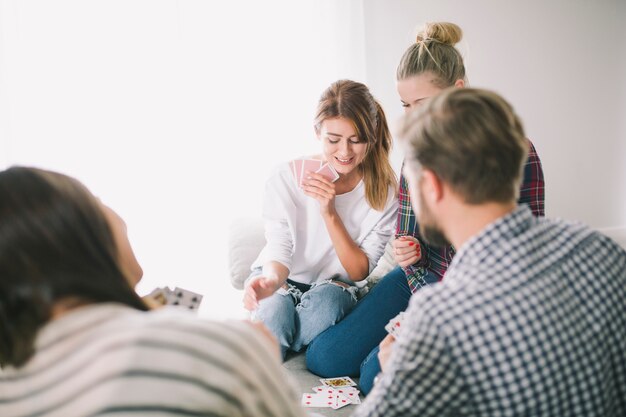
324,237
76,340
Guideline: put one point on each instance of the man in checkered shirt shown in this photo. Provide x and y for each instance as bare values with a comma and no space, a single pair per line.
530,319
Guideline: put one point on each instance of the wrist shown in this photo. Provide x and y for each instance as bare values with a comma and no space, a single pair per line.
377,378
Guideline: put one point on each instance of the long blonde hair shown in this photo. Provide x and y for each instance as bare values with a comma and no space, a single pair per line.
353,101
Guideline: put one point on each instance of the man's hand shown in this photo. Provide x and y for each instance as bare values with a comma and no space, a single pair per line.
384,352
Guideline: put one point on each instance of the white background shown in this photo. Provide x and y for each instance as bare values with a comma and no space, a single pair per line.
173,112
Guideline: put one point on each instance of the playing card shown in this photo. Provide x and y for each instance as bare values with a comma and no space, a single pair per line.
309,165
343,381
318,400
394,325
185,298
340,400
351,393
328,172
296,167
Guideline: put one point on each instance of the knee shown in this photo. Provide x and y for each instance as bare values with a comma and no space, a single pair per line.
275,308
331,293
317,357
326,308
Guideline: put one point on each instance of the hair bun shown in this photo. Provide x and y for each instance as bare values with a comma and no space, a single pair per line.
444,32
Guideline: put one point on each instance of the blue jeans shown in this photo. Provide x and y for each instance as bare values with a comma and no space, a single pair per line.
351,346
297,315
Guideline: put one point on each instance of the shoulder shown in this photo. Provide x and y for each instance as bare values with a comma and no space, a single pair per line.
281,170
184,328
281,180
532,151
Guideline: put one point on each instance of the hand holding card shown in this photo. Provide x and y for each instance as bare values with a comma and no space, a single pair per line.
394,325
328,172
301,167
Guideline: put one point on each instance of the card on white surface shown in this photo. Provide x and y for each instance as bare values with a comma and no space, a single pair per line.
317,400
342,381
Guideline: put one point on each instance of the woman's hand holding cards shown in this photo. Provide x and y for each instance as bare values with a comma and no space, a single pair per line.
323,190
406,250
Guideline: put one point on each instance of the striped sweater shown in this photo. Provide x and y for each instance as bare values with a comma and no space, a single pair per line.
110,360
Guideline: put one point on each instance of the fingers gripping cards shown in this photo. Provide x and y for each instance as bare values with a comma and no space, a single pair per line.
301,167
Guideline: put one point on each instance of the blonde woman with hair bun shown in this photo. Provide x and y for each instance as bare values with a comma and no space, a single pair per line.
428,66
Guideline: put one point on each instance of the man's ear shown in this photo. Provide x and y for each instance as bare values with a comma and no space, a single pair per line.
459,83
432,187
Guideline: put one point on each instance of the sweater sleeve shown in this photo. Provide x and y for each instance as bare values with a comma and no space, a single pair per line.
374,243
279,215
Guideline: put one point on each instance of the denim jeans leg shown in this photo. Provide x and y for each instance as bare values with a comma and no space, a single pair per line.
278,313
362,330
321,307
369,369
371,366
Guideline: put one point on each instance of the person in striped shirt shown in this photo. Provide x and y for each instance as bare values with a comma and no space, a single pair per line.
427,67
76,339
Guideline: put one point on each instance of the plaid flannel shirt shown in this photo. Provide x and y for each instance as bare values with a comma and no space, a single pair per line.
529,321
437,260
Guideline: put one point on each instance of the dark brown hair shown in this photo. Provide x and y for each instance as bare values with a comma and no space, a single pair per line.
471,139
353,101
55,243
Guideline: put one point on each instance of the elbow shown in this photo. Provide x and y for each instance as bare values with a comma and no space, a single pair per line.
358,274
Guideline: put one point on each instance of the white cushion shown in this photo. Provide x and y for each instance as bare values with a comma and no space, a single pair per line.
246,238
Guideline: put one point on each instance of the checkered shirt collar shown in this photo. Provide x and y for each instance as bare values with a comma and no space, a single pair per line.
476,249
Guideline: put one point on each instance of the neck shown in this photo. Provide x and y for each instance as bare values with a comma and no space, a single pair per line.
65,305
346,183
466,220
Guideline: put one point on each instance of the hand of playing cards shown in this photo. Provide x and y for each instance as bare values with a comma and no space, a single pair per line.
334,393
394,325
176,297
301,167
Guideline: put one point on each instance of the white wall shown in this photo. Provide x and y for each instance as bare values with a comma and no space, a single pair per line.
622,12
560,63
172,111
